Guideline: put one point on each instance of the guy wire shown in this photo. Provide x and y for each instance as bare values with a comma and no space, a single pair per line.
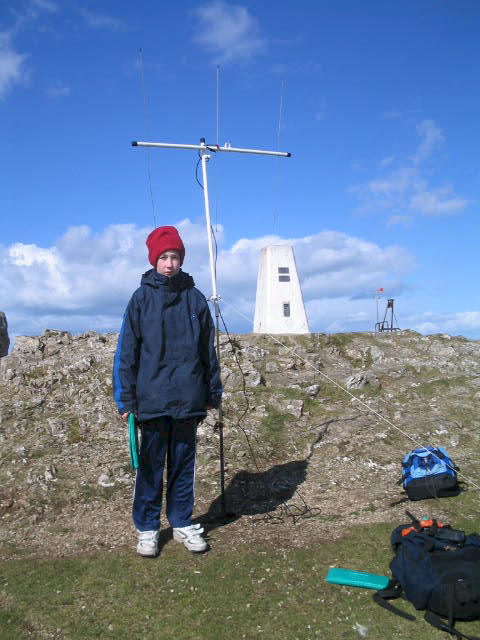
218,105
286,509
196,170
218,144
353,397
275,205
147,138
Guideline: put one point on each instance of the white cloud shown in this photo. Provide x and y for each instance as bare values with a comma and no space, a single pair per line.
469,319
389,192
462,322
438,202
12,65
432,138
85,279
13,69
405,191
341,314
330,265
397,182
229,32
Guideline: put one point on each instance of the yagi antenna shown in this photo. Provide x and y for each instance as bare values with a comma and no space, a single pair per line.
204,151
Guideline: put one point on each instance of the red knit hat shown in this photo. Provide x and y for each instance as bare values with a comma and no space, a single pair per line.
162,239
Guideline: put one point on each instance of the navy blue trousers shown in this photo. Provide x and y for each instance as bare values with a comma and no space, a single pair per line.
176,441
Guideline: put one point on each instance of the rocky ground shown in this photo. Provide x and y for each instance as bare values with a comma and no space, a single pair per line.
304,459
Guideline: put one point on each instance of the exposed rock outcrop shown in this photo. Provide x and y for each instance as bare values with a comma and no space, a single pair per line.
65,478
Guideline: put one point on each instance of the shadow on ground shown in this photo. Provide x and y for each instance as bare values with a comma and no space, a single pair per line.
261,493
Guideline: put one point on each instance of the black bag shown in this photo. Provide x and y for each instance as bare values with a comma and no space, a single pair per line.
429,472
438,569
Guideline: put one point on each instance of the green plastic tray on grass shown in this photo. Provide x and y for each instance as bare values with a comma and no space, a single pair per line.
356,578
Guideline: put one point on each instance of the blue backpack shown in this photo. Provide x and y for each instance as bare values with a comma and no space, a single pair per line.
429,472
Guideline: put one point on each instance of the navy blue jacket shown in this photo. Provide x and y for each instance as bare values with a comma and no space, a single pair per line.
165,363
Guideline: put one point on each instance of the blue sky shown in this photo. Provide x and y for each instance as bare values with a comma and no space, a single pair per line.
380,113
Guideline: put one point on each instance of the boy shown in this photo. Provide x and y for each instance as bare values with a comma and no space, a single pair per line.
166,371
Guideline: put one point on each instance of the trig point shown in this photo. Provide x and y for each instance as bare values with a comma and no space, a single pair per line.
279,305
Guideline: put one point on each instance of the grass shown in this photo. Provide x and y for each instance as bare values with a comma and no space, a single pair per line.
368,358
287,392
272,427
340,340
440,386
74,431
422,373
34,374
244,593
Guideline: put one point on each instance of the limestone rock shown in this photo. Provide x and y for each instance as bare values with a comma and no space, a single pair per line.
271,366
252,377
105,480
26,344
313,390
294,407
361,380
50,473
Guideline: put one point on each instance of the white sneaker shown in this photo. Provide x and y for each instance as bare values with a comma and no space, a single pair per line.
148,543
191,537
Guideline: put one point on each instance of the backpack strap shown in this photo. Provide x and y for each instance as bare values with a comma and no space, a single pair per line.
392,591
415,522
450,592
438,623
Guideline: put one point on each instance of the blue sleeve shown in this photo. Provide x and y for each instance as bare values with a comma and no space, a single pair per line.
125,363
209,358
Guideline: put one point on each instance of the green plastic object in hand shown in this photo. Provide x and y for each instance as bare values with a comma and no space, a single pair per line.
133,440
357,578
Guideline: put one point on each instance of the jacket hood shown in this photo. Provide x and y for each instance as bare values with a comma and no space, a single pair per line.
179,281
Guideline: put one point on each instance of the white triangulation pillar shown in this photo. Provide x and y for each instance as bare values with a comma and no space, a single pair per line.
279,305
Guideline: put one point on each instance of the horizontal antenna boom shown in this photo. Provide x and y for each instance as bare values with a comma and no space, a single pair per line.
210,147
